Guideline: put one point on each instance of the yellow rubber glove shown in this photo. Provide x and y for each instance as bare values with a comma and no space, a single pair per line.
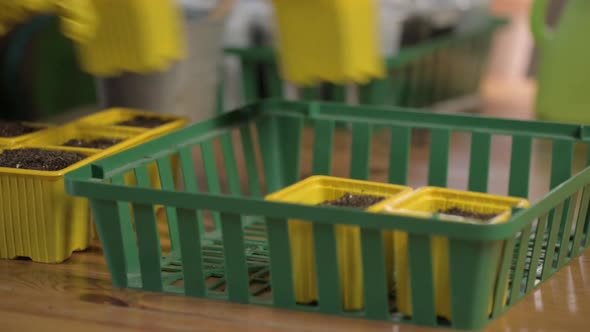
12,12
78,17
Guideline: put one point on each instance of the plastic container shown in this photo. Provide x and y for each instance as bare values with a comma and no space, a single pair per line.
248,258
427,203
435,71
38,219
313,191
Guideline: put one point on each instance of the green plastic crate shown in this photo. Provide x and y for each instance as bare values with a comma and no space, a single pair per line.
246,257
433,71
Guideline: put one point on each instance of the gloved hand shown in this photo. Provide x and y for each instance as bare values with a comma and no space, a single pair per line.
79,19
12,12
78,16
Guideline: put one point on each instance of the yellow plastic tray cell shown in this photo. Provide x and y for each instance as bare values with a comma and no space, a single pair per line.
59,136
313,191
133,36
329,40
110,120
426,203
114,116
37,218
41,130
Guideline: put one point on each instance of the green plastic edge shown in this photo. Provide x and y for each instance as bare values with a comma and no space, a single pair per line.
87,180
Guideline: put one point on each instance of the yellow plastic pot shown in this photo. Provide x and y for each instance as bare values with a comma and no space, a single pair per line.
37,218
313,191
9,141
425,203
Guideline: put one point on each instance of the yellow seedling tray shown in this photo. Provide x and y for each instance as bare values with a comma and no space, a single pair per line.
37,218
10,141
313,191
108,120
329,40
425,203
133,36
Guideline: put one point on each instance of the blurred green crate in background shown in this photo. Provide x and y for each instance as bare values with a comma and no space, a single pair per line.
439,69
39,73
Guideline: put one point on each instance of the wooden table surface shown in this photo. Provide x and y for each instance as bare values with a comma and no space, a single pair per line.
77,295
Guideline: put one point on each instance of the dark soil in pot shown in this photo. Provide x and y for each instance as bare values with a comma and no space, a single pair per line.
39,159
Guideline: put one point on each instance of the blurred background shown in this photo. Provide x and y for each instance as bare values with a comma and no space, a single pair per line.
451,55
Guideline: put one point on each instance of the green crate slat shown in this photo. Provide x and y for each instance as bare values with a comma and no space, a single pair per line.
189,175
211,174
554,216
375,282
422,281
291,135
439,157
251,164
112,240
323,146
280,263
523,246
127,230
479,164
536,254
562,161
330,297
146,225
580,223
281,164
520,165
561,169
231,165
167,181
191,252
399,155
565,232
236,271
361,151
506,261
148,242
